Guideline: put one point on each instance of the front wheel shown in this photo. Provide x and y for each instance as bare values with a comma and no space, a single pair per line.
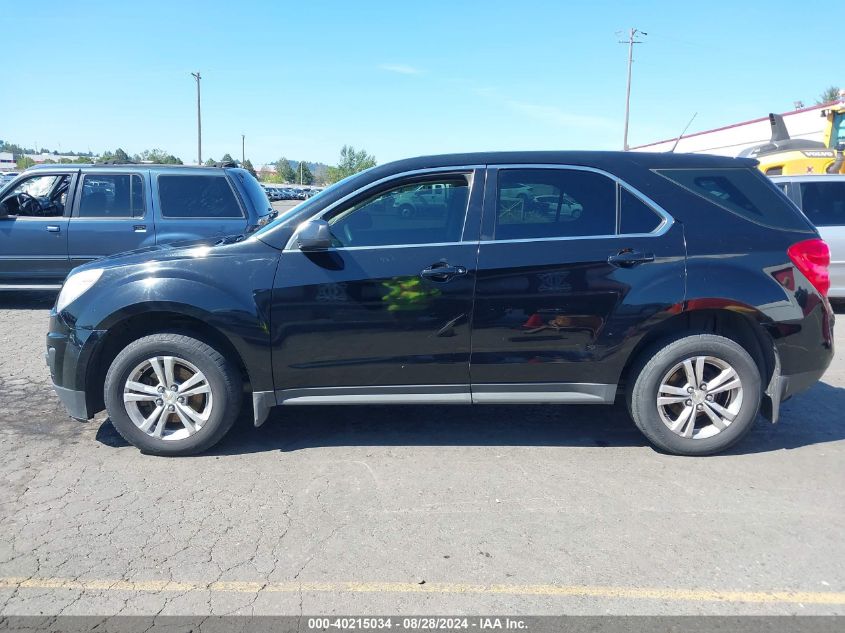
695,395
170,394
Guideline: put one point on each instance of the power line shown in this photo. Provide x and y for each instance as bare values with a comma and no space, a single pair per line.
632,39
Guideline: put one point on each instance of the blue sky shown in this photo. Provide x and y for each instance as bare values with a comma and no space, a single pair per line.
400,78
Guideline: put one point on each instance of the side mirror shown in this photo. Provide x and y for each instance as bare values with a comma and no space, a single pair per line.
313,235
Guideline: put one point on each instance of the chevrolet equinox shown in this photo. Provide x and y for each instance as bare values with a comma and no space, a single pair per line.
687,285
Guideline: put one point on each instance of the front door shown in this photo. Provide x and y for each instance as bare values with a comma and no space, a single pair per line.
385,314
33,231
109,216
571,264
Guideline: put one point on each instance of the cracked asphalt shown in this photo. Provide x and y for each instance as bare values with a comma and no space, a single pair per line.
425,510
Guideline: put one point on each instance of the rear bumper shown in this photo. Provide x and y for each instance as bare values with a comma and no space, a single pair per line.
69,353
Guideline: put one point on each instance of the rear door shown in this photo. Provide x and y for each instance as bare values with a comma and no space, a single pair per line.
33,230
571,265
823,202
194,205
110,215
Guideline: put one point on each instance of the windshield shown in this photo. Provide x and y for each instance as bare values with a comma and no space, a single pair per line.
256,193
314,200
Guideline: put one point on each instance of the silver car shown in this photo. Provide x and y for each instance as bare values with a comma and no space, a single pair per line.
822,199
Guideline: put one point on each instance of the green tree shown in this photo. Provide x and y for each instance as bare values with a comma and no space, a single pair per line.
351,162
284,170
23,162
303,174
117,155
830,94
157,156
248,166
210,162
227,158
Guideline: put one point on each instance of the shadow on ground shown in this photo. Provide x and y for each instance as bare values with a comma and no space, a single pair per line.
810,418
27,299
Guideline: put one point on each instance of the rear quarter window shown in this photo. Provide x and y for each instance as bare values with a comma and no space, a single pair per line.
742,191
197,196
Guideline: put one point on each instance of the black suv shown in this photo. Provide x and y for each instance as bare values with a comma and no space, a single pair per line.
687,285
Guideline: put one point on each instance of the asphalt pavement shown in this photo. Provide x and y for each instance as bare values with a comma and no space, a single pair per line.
426,510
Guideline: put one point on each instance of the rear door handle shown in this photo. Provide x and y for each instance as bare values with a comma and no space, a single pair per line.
140,228
628,258
442,272
54,228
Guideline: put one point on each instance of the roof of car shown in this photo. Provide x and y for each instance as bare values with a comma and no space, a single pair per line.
650,160
809,177
128,165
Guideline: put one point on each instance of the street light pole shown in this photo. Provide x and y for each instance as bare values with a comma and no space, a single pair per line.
631,41
243,149
197,76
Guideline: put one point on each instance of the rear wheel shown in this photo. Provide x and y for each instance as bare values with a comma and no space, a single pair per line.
170,394
695,395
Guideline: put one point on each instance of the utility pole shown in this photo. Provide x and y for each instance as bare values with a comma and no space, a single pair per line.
243,149
300,173
632,35
197,76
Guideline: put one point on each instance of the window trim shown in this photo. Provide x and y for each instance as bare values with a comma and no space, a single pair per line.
77,202
465,170
177,218
666,218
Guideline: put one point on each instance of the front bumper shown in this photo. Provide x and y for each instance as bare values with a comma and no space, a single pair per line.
69,354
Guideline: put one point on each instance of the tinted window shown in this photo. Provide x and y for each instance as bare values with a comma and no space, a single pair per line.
256,193
417,213
111,196
635,216
195,196
824,202
745,192
544,203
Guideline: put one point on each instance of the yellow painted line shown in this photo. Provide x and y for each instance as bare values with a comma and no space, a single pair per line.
565,591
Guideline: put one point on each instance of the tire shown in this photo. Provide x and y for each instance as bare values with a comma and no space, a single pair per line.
660,371
406,211
207,411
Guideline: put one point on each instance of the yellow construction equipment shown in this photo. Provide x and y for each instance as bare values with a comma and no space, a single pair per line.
785,156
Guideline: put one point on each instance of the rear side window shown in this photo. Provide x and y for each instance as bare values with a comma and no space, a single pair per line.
635,216
111,196
549,203
824,202
197,196
742,191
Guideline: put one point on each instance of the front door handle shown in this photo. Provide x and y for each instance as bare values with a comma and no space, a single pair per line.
53,228
140,228
628,258
442,272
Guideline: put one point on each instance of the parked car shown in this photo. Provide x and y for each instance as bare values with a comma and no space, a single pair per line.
822,198
56,217
687,286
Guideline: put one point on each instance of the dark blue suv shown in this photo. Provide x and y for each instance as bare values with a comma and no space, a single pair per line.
56,217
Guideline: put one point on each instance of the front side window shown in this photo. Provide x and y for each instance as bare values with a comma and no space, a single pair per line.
415,213
824,202
111,196
552,203
197,196
37,197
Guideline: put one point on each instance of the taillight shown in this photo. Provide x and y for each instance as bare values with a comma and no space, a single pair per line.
812,257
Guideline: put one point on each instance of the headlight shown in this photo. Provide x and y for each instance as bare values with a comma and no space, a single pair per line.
76,285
